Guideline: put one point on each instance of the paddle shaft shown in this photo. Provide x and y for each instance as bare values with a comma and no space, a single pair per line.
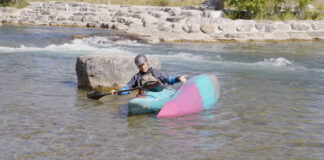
98,95
105,94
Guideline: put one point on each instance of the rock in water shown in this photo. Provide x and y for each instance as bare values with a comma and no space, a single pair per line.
106,71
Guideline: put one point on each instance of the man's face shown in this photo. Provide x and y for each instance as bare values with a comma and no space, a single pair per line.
143,67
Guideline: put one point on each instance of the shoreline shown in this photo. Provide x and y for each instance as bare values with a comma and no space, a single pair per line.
154,24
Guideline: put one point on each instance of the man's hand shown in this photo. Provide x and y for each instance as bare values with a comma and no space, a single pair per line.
183,78
113,92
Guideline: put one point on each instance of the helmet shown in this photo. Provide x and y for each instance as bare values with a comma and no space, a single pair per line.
140,59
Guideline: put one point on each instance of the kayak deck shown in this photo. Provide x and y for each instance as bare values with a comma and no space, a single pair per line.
150,102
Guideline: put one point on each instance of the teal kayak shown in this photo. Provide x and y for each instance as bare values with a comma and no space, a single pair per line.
150,101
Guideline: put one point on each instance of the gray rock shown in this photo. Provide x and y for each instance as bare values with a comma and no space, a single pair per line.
174,12
300,26
176,19
213,14
104,25
90,14
298,35
61,18
280,35
91,25
120,13
61,8
176,27
186,13
244,27
44,12
149,20
186,28
265,26
136,16
208,28
227,27
119,26
108,71
164,26
129,21
155,14
75,18
79,24
192,20
317,34
236,35
283,27
194,28
87,19
318,26
54,24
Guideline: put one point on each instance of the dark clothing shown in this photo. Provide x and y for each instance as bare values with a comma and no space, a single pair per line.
136,80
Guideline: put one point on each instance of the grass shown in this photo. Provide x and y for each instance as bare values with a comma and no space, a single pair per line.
137,2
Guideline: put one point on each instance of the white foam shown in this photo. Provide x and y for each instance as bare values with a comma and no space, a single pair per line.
183,56
276,62
76,46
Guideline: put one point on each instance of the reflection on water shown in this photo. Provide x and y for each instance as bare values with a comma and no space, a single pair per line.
271,104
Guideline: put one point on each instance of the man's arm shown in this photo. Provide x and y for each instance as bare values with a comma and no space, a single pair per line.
130,85
165,78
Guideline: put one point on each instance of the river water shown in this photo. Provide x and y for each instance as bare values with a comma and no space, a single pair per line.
271,105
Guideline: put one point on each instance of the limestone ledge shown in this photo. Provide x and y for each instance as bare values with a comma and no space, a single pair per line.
162,24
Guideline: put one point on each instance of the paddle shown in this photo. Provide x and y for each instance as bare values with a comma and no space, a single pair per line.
97,95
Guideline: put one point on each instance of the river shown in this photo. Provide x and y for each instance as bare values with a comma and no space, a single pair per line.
271,104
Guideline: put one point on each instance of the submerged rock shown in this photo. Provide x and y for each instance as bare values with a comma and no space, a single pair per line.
105,71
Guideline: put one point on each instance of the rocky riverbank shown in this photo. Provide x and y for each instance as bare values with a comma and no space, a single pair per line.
162,24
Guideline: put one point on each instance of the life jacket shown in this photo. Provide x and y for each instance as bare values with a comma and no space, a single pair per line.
146,77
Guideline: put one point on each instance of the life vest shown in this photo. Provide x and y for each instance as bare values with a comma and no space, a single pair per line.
146,77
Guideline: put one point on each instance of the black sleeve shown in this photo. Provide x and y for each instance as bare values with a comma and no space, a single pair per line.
133,82
162,76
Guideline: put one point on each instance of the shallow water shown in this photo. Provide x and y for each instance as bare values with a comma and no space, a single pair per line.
271,105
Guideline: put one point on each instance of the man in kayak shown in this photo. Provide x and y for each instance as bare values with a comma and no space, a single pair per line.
147,73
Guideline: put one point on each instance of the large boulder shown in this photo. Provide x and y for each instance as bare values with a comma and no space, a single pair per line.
105,71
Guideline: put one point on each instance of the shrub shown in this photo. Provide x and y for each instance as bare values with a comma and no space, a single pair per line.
12,3
271,9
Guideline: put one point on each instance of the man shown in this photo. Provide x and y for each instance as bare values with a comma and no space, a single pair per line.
147,74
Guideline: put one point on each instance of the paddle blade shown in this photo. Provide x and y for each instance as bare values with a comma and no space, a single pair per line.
96,94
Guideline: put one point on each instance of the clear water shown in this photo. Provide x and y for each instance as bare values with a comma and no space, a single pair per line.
271,105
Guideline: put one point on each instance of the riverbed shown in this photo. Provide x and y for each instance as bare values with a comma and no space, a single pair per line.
271,104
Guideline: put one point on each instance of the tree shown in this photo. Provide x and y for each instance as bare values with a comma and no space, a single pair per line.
251,8
5,2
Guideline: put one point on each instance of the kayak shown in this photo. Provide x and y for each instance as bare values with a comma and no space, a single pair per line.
198,93
151,101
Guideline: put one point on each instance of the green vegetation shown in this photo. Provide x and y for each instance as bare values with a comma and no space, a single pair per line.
13,3
272,9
